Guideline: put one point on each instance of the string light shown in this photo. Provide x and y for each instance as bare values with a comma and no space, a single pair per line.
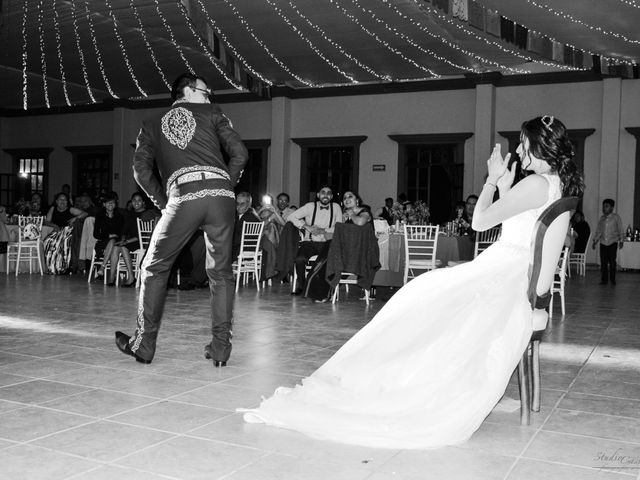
237,54
24,55
80,53
631,3
123,50
586,52
265,48
571,18
205,48
43,60
172,37
56,27
450,44
132,5
310,43
486,40
411,42
338,46
92,34
382,42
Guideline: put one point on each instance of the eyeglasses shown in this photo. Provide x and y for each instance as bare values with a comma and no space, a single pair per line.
203,90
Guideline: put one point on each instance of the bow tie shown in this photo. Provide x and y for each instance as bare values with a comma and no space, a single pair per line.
324,208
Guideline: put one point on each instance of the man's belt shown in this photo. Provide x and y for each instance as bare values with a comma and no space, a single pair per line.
197,176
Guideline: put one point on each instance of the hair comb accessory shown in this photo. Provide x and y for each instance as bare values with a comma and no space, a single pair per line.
547,121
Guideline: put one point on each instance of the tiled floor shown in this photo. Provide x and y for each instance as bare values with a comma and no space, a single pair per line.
73,407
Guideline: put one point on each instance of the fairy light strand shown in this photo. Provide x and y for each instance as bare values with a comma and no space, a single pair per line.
43,59
298,32
172,37
205,48
571,18
382,42
552,39
411,42
56,28
228,44
85,75
123,50
450,44
264,47
24,54
488,41
96,49
132,5
337,46
631,3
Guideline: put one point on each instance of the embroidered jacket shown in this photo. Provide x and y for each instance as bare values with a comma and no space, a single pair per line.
184,139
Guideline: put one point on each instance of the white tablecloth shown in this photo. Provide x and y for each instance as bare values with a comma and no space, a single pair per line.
629,255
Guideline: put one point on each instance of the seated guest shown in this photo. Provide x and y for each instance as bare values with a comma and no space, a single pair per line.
353,211
581,231
59,245
273,224
461,224
284,209
244,213
85,202
470,206
37,207
317,220
107,231
385,212
130,241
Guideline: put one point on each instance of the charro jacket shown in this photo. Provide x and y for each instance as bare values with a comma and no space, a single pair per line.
187,138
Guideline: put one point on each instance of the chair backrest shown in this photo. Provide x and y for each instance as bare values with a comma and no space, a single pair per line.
29,228
547,242
145,230
561,269
380,226
420,243
485,239
251,233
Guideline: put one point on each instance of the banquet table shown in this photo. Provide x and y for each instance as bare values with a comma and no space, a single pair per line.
392,255
13,237
629,256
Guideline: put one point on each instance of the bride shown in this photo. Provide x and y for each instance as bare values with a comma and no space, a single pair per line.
432,364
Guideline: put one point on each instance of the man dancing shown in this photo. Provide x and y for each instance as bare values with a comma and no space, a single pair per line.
197,192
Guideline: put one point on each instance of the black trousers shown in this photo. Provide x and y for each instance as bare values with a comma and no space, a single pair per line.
189,209
608,262
306,250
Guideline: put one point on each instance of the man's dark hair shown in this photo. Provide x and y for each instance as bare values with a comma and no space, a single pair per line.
184,80
609,201
388,199
110,196
283,194
473,195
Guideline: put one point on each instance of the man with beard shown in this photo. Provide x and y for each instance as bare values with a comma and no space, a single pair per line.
317,220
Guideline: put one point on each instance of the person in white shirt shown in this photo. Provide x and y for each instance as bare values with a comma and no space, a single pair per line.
317,220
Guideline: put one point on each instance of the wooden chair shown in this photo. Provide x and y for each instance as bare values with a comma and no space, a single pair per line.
546,246
559,279
420,246
249,260
485,239
145,230
29,241
579,260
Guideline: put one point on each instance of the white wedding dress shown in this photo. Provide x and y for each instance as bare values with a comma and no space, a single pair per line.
432,364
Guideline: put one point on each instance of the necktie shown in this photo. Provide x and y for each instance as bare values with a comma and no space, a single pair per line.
324,208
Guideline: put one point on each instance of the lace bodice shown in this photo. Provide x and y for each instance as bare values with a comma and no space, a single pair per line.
517,230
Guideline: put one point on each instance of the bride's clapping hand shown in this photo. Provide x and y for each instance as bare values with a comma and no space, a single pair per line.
496,165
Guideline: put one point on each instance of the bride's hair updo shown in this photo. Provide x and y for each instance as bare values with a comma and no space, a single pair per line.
548,141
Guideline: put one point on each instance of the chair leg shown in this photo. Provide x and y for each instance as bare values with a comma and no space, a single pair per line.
562,299
551,304
334,296
18,260
523,382
535,375
366,296
238,278
40,259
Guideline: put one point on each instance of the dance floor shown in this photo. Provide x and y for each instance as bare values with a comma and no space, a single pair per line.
73,407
